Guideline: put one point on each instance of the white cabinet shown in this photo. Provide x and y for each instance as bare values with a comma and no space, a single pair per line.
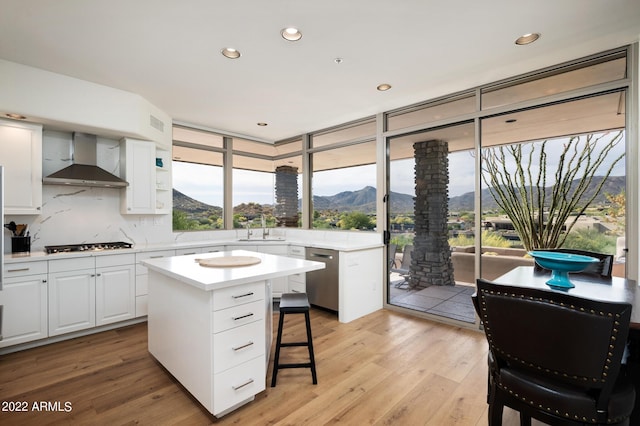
278,285
147,168
115,288
212,342
142,278
24,297
72,295
163,183
89,291
21,156
241,247
188,251
297,282
137,159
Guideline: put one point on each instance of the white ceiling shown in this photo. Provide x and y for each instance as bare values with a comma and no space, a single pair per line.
168,51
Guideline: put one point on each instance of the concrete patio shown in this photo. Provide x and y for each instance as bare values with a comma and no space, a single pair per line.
447,301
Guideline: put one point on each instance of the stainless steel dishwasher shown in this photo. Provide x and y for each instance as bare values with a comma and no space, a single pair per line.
322,285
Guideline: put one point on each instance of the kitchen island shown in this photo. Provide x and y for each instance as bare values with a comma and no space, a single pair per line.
211,327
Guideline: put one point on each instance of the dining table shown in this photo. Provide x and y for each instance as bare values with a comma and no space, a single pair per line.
613,289
609,289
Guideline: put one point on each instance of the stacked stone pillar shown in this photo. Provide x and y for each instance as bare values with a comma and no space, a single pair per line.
431,260
286,210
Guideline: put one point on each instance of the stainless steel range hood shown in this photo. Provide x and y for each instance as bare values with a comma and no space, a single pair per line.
84,170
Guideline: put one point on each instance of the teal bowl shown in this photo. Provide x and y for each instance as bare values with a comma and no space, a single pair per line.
560,264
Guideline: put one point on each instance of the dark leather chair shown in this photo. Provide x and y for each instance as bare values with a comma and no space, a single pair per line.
555,357
601,269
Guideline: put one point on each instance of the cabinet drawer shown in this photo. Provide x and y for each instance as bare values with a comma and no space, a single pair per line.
298,278
20,269
238,345
141,306
237,295
115,260
142,284
296,251
236,316
74,264
188,251
212,249
297,287
238,384
154,254
141,269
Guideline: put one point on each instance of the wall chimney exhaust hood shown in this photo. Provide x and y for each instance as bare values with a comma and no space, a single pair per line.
84,170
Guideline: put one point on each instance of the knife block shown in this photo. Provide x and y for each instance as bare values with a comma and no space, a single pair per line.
20,244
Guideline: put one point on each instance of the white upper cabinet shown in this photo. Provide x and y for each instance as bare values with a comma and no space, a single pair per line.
21,156
148,171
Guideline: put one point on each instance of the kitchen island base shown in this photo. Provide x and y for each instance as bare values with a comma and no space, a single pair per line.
211,328
215,349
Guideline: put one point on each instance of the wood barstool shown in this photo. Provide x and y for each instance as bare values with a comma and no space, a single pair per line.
294,303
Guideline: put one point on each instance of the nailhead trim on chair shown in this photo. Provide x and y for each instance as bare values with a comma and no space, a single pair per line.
487,328
555,411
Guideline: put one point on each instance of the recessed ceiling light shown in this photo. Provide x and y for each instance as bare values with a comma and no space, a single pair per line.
291,34
383,87
230,52
261,124
527,39
16,116
338,60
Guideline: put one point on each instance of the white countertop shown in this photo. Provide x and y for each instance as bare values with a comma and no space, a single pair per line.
41,255
189,271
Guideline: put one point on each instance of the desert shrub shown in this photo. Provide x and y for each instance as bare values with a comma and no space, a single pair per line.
488,238
591,240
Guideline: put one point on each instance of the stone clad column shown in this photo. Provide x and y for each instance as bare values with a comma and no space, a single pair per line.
431,260
286,210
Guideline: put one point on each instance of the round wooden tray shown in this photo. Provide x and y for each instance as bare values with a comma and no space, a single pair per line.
229,261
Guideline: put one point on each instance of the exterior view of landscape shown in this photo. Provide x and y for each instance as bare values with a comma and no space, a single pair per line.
597,229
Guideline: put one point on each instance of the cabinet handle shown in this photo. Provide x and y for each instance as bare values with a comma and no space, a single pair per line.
44,281
294,291
93,275
156,257
18,270
243,295
246,345
99,275
188,254
248,382
250,314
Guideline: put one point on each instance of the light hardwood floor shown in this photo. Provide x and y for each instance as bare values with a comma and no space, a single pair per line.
386,368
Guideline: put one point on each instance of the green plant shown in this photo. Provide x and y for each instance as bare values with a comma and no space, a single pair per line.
401,240
517,176
356,220
591,240
182,223
488,238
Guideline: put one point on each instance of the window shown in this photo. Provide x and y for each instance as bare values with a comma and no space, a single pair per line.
344,187
432,111
566,163
610,67
198,180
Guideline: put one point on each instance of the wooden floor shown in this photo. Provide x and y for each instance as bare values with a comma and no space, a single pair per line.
386,368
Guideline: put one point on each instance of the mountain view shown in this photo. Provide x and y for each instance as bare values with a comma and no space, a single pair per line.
364,200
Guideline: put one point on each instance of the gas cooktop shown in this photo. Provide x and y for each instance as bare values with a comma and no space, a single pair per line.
87,247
